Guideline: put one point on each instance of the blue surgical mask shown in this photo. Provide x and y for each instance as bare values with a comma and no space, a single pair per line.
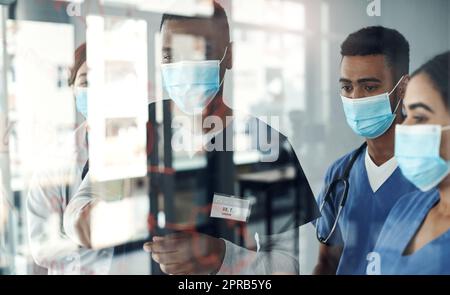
370,117
417,151
81,101
192,85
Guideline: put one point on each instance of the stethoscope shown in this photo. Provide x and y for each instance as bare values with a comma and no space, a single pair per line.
343,180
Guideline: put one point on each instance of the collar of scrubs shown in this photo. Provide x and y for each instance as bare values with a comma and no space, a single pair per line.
379,174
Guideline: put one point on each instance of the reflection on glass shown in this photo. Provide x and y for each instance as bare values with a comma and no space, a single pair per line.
269,71
185,7
269,13
122,216
117,62
37,87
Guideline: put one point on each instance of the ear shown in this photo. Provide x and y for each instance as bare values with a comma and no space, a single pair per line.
402,86
229,57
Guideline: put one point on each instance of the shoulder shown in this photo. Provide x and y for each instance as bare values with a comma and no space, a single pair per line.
411,202
265,137
70,145
404,213
58,162
264,123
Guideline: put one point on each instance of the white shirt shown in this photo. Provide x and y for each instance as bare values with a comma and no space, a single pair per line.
379,174
47,200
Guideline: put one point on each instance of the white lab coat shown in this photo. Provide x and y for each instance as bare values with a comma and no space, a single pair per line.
47,200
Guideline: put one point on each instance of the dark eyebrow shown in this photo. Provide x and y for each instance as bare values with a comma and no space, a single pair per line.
370,79
83,75
360,81
343,80
420,105
169,49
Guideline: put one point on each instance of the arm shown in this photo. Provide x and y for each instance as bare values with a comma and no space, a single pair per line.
195,253
278,258
48,243
328,261
330,254
77,214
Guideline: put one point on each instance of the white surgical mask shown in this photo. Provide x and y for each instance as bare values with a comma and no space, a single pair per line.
370,117
192,85
81,101
417,150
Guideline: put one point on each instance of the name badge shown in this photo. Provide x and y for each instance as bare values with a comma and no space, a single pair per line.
230,208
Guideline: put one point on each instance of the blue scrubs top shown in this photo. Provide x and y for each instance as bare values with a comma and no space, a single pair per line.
400,228
364,212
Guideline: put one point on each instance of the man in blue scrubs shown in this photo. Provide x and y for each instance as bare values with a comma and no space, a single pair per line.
374,75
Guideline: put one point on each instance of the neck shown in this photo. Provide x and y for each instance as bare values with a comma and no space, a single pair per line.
444,192
381,149
216,109
219,109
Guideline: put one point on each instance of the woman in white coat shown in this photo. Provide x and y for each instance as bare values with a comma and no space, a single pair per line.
53,187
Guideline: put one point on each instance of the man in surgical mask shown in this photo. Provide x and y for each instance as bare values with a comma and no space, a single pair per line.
374,75
194,81
193,67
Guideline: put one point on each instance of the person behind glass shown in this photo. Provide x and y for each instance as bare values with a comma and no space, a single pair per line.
416,236
51,190
374,75
174,252
194,82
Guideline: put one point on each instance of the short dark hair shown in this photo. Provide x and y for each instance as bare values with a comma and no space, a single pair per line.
437,69
219,15
380,40
80,59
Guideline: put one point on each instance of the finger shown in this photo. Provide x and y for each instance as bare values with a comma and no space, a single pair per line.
178,236
166,246
87,234
83,233
83,225
84,237
170,268
147,247
174,242
170,237
154,247
168,258
185,269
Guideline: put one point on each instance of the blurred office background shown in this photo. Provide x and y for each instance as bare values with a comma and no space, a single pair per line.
286,64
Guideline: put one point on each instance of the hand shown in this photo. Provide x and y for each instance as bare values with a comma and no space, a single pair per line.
187,253
83,225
